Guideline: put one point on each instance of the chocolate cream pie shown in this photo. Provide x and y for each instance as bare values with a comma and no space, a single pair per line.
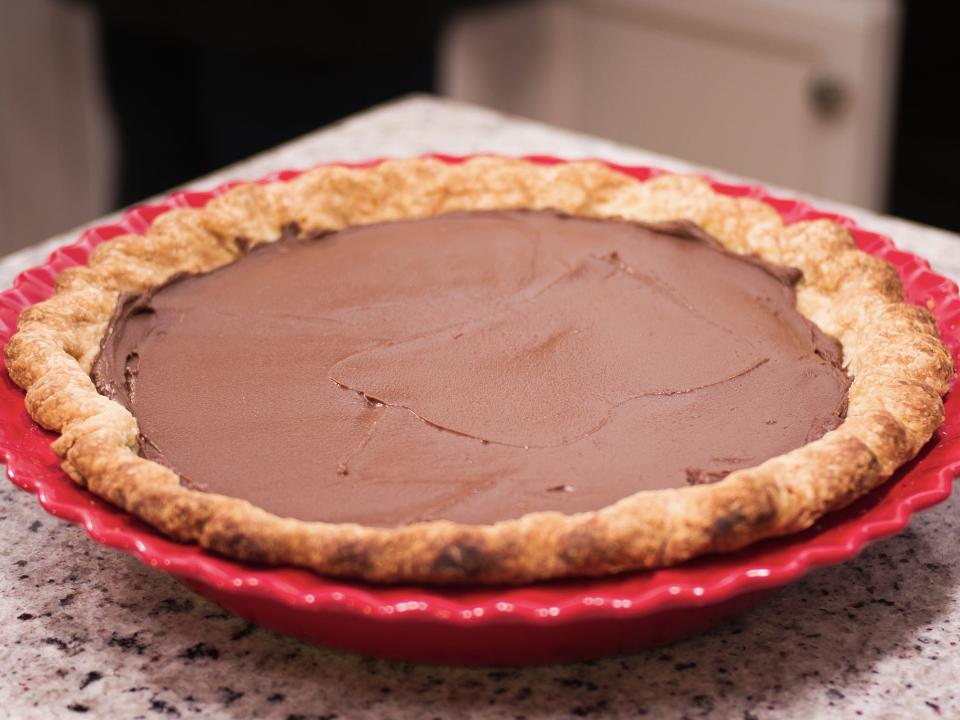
493,371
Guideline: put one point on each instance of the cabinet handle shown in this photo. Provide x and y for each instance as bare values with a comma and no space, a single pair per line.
829,96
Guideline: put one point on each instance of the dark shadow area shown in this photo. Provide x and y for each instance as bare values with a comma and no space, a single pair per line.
926,146
196,86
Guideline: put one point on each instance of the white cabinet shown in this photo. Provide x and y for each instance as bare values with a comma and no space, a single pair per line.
56,152
795,93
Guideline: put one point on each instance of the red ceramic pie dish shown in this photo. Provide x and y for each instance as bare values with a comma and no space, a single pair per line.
545,622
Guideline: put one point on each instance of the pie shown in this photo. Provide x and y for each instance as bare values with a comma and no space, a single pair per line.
493,371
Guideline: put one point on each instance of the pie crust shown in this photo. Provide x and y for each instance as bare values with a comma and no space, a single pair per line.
900,370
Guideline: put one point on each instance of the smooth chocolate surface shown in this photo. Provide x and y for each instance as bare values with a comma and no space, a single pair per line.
472,366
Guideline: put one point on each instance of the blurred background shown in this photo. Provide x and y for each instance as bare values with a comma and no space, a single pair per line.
107,102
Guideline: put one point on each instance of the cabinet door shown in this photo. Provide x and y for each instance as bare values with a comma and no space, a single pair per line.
55,136
792,93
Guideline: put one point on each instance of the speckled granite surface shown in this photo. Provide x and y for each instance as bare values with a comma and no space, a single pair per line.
88,632
92,632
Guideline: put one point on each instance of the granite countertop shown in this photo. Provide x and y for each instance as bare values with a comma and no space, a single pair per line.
89,632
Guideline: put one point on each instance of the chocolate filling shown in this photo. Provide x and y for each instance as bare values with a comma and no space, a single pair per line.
473,366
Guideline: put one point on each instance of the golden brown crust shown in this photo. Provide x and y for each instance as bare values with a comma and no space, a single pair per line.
900,370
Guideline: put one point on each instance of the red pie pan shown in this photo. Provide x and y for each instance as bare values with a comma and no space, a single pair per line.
540,623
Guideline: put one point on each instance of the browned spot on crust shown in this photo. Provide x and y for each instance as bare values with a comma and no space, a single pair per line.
462,558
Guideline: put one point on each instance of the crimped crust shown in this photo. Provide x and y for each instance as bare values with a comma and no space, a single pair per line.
900,370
